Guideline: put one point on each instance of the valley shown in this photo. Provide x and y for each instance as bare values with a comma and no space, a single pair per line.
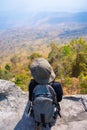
34,32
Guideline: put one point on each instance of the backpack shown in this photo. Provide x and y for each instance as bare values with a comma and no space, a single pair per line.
44,104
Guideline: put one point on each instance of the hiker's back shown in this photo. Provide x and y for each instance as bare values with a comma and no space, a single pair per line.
42,94
55,85
44,104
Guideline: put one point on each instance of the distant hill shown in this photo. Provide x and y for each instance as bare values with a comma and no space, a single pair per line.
24,33
42,18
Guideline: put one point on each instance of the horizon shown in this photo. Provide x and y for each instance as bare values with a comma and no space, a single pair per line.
30,13
33,14
22,6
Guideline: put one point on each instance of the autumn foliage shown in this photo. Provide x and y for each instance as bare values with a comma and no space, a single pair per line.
69,62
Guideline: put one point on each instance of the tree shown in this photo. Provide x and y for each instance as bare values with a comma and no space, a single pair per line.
67,50
34,55
14,60
80,64
7,67
53,55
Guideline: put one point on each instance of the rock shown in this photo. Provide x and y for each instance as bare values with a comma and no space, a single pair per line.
14,106
74,114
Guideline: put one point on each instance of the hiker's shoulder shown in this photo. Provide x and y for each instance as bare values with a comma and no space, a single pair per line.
56,84
32,81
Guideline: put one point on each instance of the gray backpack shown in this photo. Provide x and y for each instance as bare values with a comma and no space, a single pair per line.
43,104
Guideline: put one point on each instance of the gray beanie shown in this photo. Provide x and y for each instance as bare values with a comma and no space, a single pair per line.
42,71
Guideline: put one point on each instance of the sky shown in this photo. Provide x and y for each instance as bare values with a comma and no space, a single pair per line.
43,5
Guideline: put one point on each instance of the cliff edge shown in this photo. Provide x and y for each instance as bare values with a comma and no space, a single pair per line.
14,106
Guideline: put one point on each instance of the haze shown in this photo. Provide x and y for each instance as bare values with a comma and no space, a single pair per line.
43,5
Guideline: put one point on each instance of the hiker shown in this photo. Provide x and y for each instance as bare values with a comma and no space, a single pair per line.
43,73
46,90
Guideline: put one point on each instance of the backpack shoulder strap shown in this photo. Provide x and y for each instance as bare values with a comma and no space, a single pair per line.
46,90
41,90
52,91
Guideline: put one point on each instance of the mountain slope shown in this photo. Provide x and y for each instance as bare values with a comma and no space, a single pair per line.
24,33
41,18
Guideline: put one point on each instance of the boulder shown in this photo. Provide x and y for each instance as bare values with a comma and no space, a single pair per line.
14,106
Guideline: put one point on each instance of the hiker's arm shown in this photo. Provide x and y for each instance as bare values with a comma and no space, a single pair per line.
31,88
30,91
59,91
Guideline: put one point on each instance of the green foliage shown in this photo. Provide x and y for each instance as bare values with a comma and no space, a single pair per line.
1,74
68,82
80,64
54,58
5,74
83,85
67,50
53,55
7,67
68,61
22,80
34,55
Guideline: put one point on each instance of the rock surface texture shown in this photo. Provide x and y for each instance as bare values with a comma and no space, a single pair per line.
14,105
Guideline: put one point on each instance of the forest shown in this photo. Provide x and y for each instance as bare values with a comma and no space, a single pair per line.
69,62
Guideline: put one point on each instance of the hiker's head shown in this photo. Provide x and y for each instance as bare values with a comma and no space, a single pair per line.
42,71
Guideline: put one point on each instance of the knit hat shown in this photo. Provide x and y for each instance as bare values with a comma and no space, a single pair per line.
42,71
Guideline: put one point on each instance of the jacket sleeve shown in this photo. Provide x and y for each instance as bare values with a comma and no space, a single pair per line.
31,87
58,89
